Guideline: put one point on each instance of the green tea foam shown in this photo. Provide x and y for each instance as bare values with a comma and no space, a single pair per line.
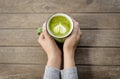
59,26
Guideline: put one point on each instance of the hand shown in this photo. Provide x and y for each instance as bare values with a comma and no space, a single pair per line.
70,45
52,50
71,42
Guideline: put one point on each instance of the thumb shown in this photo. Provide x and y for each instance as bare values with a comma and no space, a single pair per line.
75,31
45,30
41,37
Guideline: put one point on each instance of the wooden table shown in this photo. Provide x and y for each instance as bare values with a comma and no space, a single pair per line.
97,55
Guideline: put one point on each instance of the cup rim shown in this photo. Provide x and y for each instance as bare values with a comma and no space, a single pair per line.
61,14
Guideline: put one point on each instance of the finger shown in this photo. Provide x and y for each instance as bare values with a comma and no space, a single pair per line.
44,26
74,32
45,30
78,36
46,34
75,29
73,20
76,23
41,37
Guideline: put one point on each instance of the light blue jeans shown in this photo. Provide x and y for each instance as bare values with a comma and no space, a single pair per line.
54,73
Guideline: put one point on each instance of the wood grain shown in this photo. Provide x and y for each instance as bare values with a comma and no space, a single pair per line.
87,21
99,72
98,56
36,72
15,71
28,37
100,38
36,55
22,55
22,20
37,6
22,37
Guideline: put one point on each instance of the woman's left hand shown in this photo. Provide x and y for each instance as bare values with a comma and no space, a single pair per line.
49,45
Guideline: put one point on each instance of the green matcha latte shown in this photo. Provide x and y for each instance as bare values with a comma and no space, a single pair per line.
60,25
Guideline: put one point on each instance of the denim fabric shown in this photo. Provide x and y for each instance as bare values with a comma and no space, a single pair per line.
54,73
70,73
51,73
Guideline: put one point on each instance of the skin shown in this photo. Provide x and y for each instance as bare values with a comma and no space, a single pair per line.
54,53
69,47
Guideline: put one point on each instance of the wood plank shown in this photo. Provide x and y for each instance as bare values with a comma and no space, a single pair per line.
22,55
37,6
99,72
28,37
100,38
98,56
35,55
96,21
16,37
22,20
36,72
11,71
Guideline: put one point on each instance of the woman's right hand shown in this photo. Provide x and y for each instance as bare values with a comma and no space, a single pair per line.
70,45
71,42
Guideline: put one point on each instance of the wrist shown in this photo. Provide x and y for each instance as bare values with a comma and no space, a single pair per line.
54,62
69,50
69,53
69,60
69,57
